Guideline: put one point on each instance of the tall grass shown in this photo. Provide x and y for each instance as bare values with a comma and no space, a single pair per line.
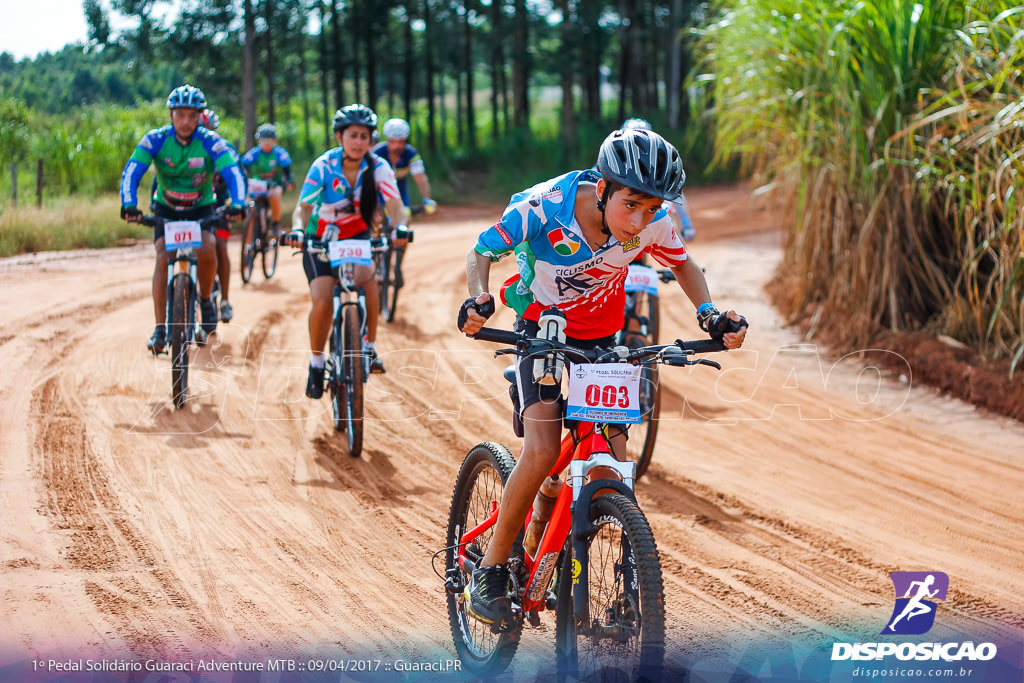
821,101
66,223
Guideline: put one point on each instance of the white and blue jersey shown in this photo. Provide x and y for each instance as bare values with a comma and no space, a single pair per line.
557,266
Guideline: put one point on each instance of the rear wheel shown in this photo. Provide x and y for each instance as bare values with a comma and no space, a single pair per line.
382,264
640,444
394,260
269,251
622,637
179,323
249,245
354,366
477,493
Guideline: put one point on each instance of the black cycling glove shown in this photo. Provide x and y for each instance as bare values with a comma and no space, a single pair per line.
717,324
131,213
485,309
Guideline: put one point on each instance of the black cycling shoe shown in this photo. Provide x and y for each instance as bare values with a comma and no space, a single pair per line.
376,364
487,596
158,341
210,316
315,382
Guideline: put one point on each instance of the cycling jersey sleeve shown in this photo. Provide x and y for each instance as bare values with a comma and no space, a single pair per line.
224,161
249,158
384,177
501,239
665,246
137,166
313,186
284,162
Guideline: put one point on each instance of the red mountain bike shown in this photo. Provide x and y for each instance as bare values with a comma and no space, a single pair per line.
596,565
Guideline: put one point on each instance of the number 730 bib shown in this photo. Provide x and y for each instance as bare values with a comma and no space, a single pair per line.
604,392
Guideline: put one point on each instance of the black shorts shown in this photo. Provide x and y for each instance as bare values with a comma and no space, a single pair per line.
196,214
318,265
529,391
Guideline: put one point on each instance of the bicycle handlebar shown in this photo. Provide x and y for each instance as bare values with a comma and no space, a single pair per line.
665,353
155,221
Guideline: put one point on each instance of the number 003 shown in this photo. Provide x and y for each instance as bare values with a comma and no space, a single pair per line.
609,396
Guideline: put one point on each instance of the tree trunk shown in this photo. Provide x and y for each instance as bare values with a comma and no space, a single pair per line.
269,17
410,58
339,70
248,84
497,66
567,57
521,67
303,79
354,22
468,62
428,33
323,77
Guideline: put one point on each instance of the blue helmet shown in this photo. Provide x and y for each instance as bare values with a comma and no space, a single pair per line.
186,97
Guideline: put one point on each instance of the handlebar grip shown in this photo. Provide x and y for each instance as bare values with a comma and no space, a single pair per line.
499,336
702,345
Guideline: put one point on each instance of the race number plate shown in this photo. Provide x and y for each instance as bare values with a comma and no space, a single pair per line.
350,251
605,392
642,279
257,187
182,235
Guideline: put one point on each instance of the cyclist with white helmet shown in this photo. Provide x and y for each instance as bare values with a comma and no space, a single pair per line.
406,161
271,162
339,200
573,238
186,157
678,210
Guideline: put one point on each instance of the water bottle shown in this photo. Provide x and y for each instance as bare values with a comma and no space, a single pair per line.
543,504
547,369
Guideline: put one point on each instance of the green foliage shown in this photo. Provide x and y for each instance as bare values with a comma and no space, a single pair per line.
819,101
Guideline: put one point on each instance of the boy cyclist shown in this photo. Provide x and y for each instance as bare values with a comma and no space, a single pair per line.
574,237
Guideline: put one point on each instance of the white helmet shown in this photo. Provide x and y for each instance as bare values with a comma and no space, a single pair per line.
397,129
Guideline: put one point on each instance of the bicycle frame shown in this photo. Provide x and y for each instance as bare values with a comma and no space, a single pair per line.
583,448
346,294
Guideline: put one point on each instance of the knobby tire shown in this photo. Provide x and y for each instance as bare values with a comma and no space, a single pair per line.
355,377
179,338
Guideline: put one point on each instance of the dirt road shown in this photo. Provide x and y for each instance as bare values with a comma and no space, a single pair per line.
783,490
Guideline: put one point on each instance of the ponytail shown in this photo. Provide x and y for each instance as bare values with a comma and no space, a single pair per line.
368,197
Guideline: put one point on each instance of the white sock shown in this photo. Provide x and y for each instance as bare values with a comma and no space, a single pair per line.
371,346
316,360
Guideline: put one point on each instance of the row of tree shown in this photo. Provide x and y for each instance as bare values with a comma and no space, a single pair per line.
477,63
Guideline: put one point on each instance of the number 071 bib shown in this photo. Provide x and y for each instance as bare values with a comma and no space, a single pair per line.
604,392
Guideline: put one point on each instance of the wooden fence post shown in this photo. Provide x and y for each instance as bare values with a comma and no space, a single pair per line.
39,185
14,183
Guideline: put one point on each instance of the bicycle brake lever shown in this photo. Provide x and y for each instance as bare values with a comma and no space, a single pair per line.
705,361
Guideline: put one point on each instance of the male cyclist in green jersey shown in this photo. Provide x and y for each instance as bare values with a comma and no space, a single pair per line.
270,161
186,156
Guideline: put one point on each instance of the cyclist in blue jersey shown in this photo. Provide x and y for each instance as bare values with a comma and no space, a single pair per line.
339,200
574,237
270,161
406,161
185,156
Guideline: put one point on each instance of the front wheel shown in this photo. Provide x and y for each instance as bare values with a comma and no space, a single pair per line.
478,491
179,323
622,637
334,376
354,373
269,257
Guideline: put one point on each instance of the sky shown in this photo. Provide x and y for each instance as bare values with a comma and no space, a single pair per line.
29,27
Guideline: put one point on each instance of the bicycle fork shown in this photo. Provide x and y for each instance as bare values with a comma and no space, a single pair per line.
181,264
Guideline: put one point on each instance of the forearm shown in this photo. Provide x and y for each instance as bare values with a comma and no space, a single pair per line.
478,270
396,209
423,183
691,279
301,215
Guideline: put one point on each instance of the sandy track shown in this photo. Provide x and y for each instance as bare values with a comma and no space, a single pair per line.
783,489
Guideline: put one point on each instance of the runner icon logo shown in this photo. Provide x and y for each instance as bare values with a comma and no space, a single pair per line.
916,596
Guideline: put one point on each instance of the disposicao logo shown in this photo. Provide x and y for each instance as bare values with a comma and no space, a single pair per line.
916,593
913,614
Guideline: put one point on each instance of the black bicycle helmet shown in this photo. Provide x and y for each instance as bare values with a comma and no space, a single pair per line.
354,114
644,161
